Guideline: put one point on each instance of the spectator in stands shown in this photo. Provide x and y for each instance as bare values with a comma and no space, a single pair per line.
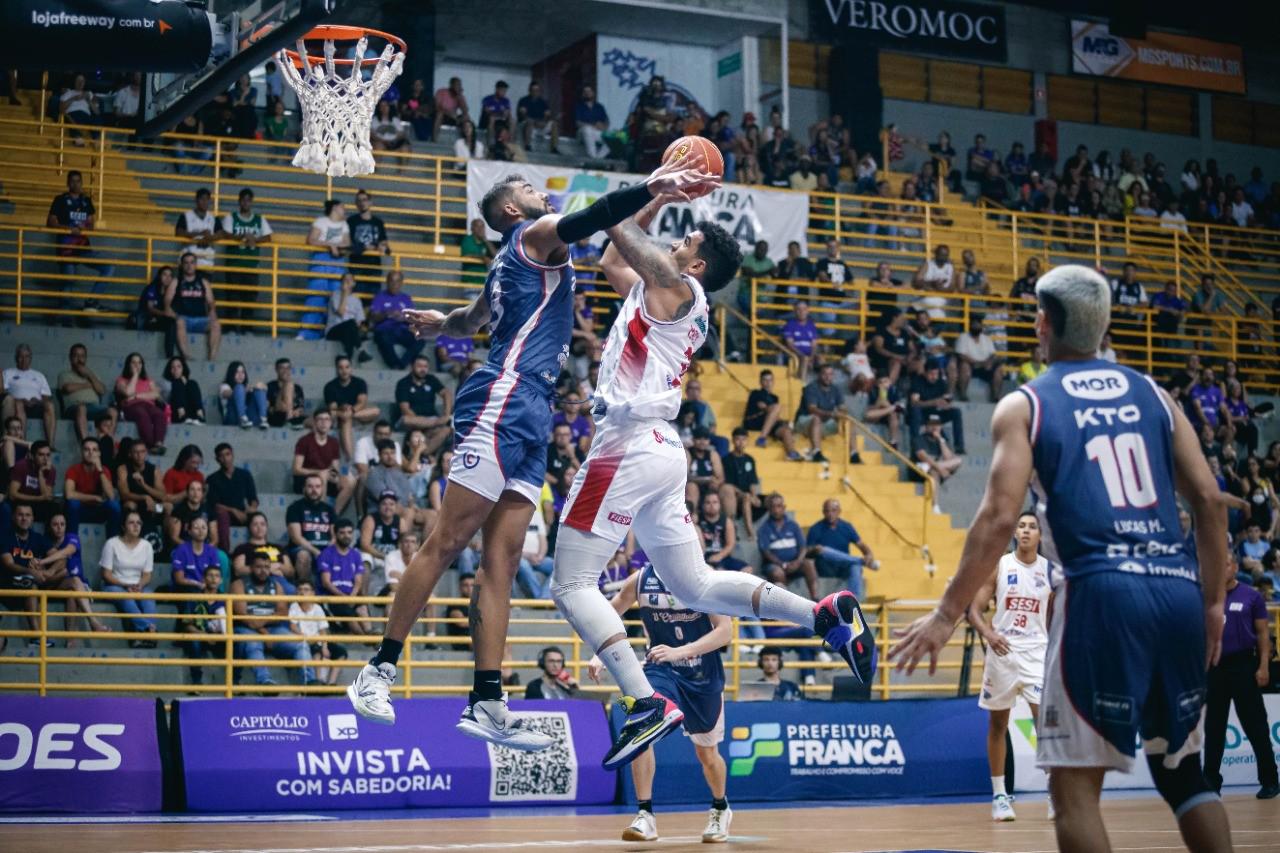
260,540
418,109
891,347
1169,310
1172,218
64,569
781,548
22,566
185,507
555,682
127,562
310,523
27,394
286,401
151,313
820,412
1206,302
495,111
451,107
976,354
801,335
77,105
719,536
275,127
346,321
140,402
929,399
1241,212
309,619
368,240
247,232
387,477
208,615
1025,287
827,544
1016,166
475,244
317,454
562,454
1252,550
756,265
778,158
971,279
242,402
89,492
1241,414
1042,160
342,575
1209,402
389,327
533,573
192,558
703,415
347,397
262,617
191,300
796,266
740,494
138,482
706,471
389,132
592,121
200,227
125,102
993,185
939,274
74,211
367,448
803,179
884,406
1106,351
382,530
81,390
977,158
769,660
104,432
934,455
233,494
533,113
422,402
330,239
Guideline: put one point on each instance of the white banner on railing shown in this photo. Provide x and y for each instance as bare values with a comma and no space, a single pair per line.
748,213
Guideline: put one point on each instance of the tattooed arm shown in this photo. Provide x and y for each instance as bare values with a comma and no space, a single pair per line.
667,295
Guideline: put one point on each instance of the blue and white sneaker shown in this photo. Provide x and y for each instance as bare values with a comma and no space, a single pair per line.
370,693
492,720
648,720
838,619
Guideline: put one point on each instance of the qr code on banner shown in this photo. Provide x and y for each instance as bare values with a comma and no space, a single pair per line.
551,774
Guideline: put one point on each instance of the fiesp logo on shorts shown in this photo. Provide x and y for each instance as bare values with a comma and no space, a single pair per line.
819,749
619,518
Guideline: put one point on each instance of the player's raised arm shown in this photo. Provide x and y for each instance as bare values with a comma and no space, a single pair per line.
988,535
459,323
1208,507
617,271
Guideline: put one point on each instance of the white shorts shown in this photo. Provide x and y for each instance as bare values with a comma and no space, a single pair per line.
634,478
1004,678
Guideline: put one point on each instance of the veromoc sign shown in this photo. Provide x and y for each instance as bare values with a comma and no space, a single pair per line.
931,26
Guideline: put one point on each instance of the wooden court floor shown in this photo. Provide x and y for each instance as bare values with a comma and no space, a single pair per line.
1139,824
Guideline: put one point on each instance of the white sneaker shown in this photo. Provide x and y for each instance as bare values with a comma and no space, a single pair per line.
717,831
1002,808
643,828
491,720
370,693
1050,814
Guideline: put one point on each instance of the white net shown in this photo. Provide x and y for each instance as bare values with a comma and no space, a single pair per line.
337,107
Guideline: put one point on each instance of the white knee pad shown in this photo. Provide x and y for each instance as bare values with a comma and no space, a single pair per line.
684,571
580,558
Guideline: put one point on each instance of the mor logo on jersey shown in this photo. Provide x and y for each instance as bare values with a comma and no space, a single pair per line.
1105,384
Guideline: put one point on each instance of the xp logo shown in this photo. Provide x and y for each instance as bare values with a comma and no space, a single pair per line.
762,740
470,459
343,727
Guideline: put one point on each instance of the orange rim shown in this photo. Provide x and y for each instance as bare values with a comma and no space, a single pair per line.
337,32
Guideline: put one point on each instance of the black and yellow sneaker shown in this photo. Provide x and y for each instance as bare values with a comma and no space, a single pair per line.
648,720
838,619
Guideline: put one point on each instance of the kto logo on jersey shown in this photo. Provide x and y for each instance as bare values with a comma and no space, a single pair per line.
1102,384
470,459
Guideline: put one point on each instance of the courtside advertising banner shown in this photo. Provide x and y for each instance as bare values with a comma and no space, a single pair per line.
1159,58
748,213
68,754
283,754
834,751
1239,766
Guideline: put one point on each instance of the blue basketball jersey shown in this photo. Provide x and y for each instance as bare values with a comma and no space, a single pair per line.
531,311
669,623
1102,439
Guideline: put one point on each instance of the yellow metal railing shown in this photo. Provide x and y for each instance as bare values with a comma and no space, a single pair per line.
46,621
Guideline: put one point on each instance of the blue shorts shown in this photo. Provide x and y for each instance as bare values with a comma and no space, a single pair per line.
730,564
502,427
1126,659
196,325
703,705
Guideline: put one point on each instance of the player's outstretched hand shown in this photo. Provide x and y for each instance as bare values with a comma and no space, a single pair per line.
675,180
664,654
424,324
925,636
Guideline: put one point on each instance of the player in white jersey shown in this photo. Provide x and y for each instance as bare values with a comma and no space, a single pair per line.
634,475
1017,639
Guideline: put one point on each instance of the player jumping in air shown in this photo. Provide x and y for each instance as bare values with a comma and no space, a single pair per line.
502,420
1016,641
1134,622
635,473
683,659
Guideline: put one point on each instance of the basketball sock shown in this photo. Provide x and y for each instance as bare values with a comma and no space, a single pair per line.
997,786
580,558
388,652
719,803
486,686
686,574
645,806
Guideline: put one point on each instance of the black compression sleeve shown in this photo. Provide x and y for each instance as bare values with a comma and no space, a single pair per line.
606,212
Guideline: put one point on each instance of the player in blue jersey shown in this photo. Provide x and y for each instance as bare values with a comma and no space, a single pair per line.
1137,618
683,664
502,424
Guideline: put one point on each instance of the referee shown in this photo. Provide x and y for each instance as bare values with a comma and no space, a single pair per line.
1239,677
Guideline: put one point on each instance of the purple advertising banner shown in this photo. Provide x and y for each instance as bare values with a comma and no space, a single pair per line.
283,754
68,754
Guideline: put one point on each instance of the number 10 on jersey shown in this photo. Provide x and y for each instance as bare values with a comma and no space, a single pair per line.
1126,470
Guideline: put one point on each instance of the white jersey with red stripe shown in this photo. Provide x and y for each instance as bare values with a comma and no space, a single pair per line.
644,359
1022,602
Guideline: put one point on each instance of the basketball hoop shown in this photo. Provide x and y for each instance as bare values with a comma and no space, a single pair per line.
338,96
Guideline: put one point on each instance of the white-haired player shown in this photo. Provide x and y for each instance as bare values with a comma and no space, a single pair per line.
634,476
1017,639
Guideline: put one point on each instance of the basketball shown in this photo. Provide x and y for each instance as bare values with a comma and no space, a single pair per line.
708,155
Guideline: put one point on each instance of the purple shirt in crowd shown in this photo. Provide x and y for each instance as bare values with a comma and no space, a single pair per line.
342,568
193,565
579,426
456,349
1210,398
390,303
1244,605
801,336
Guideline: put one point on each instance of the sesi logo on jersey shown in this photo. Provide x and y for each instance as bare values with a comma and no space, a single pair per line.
1096,384
1022,605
